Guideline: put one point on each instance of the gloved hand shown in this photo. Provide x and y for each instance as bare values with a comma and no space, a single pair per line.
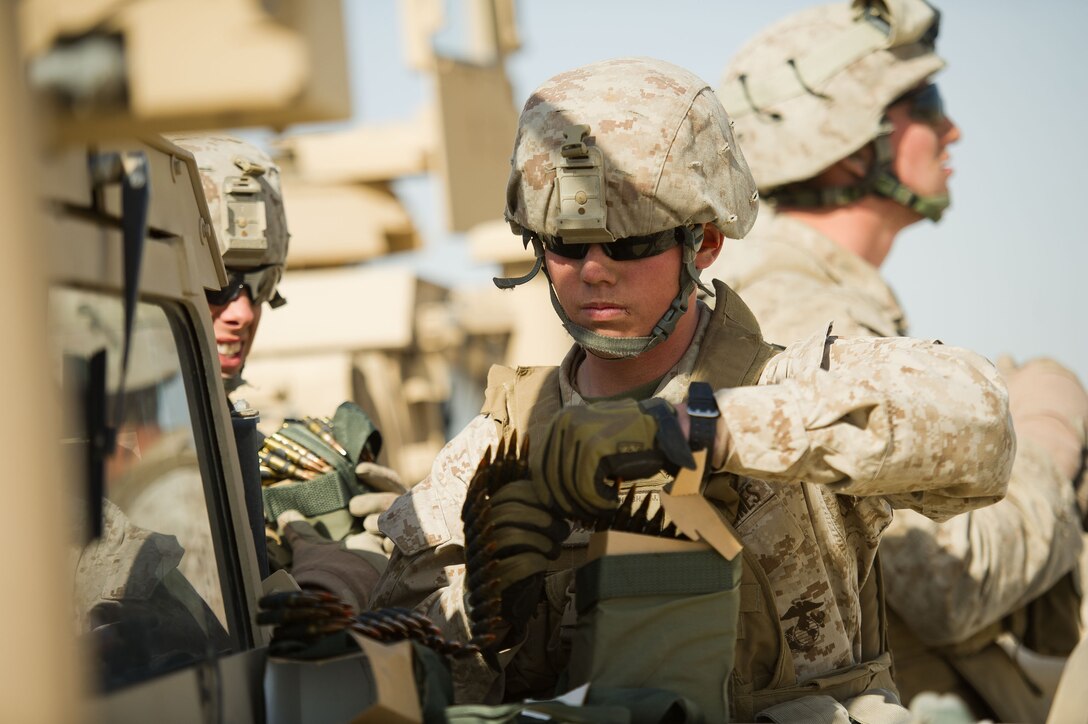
509,538
328,565
379,478
1049,406
588,448
369,507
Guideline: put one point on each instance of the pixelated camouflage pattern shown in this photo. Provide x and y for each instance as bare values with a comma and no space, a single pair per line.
950,581
216,158
427,568
669,152
796,139
783,260
129,576
873,431
946,580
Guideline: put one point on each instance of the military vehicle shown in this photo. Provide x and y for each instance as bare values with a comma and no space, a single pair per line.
112,252
116,379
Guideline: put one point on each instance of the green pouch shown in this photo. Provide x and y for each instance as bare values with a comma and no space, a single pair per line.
324,500
662,621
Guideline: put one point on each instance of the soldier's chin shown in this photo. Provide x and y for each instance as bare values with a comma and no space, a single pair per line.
231,365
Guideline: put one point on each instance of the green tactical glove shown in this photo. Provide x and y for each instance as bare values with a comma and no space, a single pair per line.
589,448
509,539
524,535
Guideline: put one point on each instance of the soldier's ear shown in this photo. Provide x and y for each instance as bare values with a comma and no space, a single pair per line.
711,247
856,164
845,172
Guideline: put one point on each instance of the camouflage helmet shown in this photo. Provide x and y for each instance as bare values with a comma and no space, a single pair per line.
631,147
812,89
242,188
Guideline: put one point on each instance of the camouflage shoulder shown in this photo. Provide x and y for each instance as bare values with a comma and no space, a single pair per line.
429,515
127,563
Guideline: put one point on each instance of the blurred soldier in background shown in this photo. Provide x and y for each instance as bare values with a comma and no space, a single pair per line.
152,569
848,142
242,187
626,177
155,459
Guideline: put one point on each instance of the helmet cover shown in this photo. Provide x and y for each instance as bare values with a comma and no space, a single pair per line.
242,187
813,88
657,138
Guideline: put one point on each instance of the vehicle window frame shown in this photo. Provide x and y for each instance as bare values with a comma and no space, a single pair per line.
211,462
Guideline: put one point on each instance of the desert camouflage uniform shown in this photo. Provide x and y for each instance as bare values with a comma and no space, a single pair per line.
129,580
833,437
164,492
949,582
797,281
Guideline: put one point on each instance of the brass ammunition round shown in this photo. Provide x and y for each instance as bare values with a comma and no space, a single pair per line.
324,432
296,453
283,466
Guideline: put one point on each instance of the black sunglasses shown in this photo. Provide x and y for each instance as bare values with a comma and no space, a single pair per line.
925,105
627,249
259,284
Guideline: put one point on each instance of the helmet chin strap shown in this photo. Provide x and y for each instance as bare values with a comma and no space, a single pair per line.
888,185
880,180
233,382
628,347
884,182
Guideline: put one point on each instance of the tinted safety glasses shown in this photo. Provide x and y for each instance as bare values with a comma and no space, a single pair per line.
627,249
925,105
259,284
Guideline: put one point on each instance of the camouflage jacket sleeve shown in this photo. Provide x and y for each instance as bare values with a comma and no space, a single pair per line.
923,424
987,562
427,569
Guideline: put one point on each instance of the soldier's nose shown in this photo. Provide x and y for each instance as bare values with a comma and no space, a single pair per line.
597,266
240,311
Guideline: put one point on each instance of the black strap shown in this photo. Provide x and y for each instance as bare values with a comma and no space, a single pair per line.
135,200
101,439
669,438
703,412
130,169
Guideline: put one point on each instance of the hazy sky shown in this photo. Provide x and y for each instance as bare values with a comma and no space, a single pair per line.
1003,273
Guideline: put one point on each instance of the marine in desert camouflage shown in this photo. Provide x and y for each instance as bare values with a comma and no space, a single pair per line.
849,144
626,177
